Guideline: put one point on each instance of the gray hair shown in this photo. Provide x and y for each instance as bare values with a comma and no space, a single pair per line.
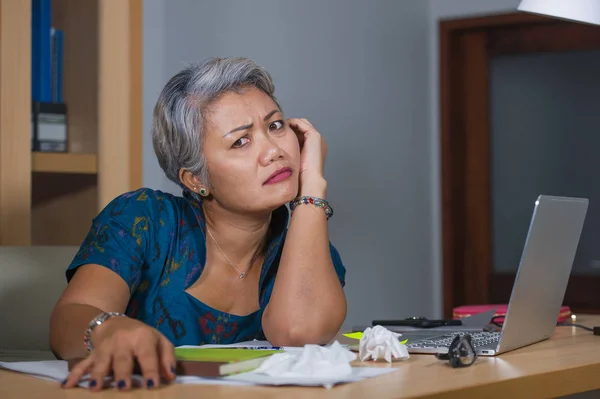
180,112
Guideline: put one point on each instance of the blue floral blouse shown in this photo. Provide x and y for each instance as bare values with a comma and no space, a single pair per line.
155,241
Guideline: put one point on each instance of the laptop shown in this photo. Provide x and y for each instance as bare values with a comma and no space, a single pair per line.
539,286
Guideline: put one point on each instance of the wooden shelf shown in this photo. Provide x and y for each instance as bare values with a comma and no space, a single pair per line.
51,198
64,163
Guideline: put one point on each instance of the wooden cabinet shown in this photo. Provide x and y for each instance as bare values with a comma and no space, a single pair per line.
51,198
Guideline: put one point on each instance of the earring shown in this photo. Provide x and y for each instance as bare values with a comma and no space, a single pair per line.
203,192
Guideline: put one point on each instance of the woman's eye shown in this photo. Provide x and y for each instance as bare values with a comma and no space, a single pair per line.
276,125
241,142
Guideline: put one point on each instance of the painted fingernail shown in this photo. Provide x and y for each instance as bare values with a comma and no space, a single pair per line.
172,369
93,383
150,383
64,381
121,384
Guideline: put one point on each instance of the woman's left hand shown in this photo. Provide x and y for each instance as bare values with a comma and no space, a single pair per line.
313,151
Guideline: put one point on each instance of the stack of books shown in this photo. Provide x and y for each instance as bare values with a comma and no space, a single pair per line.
217,362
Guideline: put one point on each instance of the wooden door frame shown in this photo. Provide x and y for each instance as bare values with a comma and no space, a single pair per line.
465,47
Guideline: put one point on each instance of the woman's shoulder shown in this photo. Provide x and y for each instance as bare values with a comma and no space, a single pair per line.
143,202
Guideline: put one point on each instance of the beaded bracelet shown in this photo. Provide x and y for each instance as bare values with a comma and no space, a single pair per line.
318,202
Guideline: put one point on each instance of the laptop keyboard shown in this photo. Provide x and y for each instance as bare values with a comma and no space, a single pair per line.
478,339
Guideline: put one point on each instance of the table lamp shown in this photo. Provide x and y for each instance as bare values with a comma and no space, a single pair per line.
587,11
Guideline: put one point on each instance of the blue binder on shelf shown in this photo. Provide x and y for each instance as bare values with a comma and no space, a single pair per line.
48,110
41,50
57,65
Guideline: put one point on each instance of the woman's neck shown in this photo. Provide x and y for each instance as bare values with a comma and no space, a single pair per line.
239,236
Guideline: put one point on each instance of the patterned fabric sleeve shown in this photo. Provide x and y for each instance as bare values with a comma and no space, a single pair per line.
118,238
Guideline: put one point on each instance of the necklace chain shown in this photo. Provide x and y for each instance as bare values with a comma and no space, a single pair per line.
242,274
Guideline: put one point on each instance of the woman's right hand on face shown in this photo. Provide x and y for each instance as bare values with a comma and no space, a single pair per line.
116,347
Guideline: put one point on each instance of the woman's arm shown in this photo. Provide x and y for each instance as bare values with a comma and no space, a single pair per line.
307,304
94,289
116,342
102,275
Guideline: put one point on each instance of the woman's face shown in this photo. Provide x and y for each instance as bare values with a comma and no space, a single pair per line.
252,154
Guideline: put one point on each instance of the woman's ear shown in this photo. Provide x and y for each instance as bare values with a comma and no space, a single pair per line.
191,181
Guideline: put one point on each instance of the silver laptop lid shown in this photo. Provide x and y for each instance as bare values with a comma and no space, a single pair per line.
544,270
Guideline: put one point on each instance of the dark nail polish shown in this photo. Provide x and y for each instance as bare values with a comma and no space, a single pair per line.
64,381
173,370
150,383
93,383
121,384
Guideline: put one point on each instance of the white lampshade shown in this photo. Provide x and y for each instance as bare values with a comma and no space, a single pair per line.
587,11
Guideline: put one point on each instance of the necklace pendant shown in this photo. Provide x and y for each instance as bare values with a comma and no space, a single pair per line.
243,275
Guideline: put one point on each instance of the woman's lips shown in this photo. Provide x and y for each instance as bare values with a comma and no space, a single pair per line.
279,176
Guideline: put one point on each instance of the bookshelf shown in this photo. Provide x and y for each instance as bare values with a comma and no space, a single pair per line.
50,198
48,162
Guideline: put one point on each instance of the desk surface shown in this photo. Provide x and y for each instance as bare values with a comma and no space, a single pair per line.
567,363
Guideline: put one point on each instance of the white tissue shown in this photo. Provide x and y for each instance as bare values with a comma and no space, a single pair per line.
310,361
379,342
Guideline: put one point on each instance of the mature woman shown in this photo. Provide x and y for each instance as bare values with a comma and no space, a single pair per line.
226,262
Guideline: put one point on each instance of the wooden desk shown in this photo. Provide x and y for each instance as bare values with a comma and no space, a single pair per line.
567,363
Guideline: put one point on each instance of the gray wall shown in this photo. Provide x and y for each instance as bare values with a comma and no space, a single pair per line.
359,71
154,77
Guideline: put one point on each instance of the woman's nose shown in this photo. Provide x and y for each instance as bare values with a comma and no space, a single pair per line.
271,152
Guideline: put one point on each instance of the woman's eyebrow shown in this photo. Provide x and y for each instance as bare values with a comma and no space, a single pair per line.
245,127
270,114
237,129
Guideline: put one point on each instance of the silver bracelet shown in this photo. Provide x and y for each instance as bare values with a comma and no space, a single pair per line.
101,318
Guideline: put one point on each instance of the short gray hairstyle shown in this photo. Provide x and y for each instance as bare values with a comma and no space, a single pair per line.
181,109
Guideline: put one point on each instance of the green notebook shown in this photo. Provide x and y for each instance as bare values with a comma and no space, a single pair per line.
212,362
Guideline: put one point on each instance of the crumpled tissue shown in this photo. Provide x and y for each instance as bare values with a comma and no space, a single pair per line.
310,361
379,342
310,365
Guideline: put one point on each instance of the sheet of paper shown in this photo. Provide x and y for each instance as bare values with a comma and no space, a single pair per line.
56,370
